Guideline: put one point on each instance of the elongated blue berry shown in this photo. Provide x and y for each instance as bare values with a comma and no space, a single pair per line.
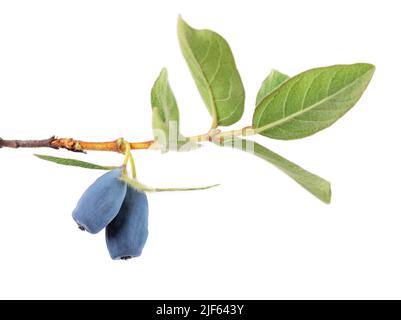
101,202
126,235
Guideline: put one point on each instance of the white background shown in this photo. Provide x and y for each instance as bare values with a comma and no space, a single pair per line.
84,69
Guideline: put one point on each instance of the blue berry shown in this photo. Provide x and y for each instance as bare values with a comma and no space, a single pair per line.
126,235
101,202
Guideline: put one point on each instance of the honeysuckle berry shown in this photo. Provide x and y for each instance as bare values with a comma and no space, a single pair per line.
126,235
101,202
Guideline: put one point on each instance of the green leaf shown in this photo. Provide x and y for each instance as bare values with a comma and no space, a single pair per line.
165,115
311,101
272,82
134,183
73,162
311,182
213,68
162,98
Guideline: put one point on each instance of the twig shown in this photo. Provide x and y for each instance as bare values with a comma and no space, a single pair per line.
114,146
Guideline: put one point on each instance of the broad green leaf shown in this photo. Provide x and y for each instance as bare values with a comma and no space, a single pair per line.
213,68
272,82
134,183
74,163
316,185
311,101
165,115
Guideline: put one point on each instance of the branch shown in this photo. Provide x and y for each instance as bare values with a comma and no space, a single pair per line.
45,143
116,145
74,145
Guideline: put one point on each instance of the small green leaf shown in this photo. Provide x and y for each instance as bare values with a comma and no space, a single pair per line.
162,97
165,115
272,82
311,182
213,68
311,101
134,183
74,163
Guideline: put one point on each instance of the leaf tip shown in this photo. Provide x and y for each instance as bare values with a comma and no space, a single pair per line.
181,22
39,156
371,68
326,196
213,186
163,72
276,72
183,27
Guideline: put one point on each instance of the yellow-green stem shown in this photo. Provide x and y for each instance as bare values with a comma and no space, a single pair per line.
133,168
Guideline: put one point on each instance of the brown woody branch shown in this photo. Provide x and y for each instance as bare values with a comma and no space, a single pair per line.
73,145
45,143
